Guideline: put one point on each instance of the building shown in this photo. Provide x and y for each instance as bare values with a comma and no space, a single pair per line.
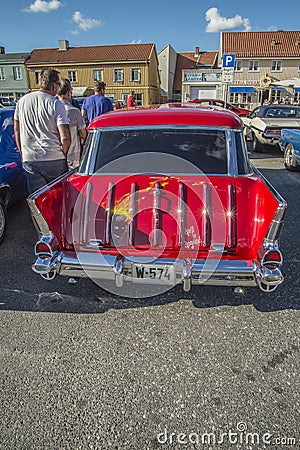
261,58
198,75
167,58
123,68
188,75
13,80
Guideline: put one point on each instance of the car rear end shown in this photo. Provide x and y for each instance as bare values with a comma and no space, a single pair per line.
164,198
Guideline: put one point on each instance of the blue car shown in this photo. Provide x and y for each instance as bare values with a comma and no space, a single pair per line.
12,176
290,145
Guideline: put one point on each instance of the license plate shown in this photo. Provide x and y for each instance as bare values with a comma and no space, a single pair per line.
153,273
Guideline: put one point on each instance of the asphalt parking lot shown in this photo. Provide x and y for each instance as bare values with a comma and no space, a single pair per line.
83,369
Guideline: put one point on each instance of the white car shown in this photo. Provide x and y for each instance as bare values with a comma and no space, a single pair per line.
264,124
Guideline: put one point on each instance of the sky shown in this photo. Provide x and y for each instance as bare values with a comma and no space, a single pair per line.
29,24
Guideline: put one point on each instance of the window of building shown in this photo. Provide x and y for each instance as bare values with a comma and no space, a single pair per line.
238,65
138,99
253,66
72,75
118,75
37,77
98,75
241,99
277,66
17,73
2,75
135,75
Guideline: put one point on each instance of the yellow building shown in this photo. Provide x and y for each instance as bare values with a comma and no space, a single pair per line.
123,68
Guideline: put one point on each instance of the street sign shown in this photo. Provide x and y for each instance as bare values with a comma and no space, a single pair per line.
228,60
227,75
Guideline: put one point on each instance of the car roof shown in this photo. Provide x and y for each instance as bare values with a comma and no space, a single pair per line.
164,115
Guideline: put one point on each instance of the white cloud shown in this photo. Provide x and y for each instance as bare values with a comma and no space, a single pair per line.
138,41
42,6
272,28
218,23
85,23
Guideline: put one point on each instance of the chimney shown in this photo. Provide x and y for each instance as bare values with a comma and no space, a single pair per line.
196,52
63,45
2,50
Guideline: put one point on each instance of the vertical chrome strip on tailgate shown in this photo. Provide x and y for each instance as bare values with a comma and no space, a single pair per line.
156,207
108,212
181,215
206,215
89,189
230,216
132,210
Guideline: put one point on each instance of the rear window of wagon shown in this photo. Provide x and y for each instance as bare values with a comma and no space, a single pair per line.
155,150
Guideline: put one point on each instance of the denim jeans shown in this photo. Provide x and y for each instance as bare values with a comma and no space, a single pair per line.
40,173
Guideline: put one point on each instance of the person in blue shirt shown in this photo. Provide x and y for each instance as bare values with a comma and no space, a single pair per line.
96,104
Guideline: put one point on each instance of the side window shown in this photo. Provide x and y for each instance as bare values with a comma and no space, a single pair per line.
87,149
242,154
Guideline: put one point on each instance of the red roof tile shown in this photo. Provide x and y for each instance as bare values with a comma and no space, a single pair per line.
262,44
122,52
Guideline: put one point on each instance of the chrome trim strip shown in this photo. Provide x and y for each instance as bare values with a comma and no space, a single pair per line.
108,212
206,214
39,220
156,207
93,154
181,215
164,126
273,232
230,217
231,153
132,210
103,266
89,189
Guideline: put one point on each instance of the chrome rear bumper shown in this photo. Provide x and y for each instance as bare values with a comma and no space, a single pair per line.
109,267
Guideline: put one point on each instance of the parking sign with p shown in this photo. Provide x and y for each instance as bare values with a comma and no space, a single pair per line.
228,60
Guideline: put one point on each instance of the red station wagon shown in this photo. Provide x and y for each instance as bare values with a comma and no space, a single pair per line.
163,196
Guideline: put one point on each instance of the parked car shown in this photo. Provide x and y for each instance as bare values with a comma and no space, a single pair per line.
265,123
12,178
80,100
289,143
163,195
117,104
5,101
242,112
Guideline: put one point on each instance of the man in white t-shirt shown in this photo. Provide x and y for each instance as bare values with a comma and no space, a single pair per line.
76,122
42,132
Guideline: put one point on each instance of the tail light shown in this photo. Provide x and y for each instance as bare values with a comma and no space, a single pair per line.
272,259
45,247
272,132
